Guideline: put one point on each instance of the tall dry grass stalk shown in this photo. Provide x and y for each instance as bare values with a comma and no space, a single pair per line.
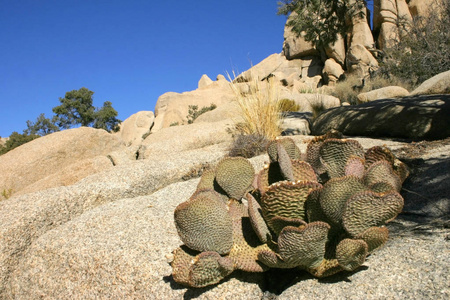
260,110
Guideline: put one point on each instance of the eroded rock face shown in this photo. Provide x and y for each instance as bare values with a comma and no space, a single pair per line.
392,19
134,128
332,71
172,108
360,61
60,158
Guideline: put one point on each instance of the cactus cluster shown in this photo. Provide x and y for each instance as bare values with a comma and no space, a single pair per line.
322,211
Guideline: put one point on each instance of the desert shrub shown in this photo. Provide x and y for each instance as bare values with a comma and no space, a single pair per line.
348,89
317,105
248,145
194,113
425,50
288,105
6,193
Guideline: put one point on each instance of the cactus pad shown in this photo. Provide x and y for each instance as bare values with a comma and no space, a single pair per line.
235,176
367,209
335,193
375,237
286,199
351,254
288,144
204,224
334,154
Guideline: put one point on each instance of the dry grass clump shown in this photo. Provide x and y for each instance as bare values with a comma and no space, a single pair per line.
260,111
248,146
347,90
288,105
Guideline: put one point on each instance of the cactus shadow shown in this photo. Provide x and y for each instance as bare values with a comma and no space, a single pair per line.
427,197
191,293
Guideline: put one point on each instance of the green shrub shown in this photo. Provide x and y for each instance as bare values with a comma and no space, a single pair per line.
194,113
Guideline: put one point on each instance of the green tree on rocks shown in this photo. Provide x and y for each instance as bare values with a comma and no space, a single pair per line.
321,21
77,109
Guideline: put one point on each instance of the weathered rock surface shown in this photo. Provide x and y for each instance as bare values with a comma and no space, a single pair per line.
415,117
61,158
332,71
383,93
296,123
360,61
439,84
204,81
23,219
172,108
307,101
388,14
176,139
272,64
135,127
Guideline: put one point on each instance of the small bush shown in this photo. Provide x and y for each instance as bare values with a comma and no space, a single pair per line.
347,90
194,113
288,105
6,193
317,106
248,145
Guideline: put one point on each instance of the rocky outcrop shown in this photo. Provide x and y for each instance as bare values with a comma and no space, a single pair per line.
332,71
392,19
204,81
413,117
439,84
172,108
383,93
59,159
134,128
360,61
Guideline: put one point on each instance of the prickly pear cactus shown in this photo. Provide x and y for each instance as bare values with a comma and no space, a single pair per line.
323,214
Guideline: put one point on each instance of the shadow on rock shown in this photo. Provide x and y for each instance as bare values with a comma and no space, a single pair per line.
414,117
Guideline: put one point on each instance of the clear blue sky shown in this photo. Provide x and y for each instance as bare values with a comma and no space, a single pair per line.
127,52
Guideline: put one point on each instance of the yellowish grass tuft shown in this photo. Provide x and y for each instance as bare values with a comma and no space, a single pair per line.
261,112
